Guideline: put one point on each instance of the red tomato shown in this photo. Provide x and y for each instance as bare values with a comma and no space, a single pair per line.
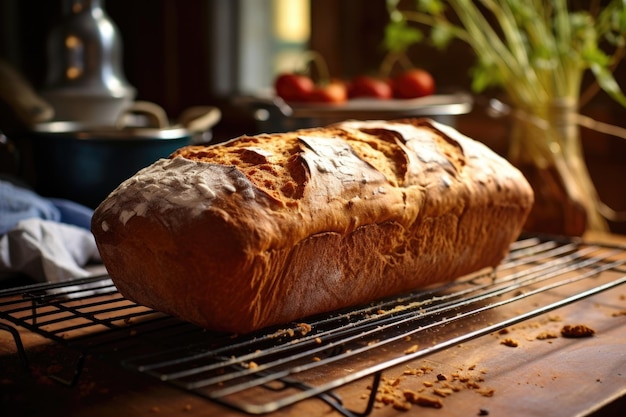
293,87
413,84
365,86
333,92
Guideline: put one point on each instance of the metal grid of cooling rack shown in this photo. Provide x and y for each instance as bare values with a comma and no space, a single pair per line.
265,371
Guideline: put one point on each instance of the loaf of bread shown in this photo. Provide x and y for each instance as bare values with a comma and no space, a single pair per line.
270,229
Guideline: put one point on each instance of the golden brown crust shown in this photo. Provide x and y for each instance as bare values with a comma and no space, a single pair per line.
268,229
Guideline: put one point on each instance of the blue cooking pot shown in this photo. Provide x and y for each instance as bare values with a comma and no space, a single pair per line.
66,160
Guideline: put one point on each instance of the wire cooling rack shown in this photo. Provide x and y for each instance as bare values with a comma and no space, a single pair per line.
271,369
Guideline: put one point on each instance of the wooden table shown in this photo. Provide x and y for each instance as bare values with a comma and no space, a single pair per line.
553,377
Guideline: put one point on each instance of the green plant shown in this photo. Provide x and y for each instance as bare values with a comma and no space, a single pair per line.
536,50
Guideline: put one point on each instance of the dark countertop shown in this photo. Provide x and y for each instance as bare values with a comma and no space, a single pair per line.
555,377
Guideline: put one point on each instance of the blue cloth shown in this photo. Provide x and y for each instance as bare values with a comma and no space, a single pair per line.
18,203
73,213
48,239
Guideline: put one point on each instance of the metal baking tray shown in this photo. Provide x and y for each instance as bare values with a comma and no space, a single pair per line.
272,114
277,367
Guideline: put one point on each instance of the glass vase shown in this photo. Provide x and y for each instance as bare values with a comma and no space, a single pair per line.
545,145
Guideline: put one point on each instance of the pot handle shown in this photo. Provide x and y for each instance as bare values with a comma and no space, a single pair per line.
17,92
199,119
156,115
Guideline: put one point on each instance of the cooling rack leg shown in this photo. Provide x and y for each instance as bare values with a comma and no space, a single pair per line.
18,343
372,398
332,401
77,372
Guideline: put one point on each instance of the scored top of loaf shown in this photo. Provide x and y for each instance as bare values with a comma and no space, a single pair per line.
323,174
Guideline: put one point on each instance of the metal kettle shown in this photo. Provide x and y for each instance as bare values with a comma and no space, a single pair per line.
85,80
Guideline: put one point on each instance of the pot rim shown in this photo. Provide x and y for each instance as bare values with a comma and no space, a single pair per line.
82,131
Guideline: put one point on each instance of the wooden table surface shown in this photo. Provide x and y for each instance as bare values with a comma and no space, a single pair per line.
555,377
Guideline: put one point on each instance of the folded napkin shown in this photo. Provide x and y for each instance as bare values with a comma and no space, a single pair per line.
45,239
47,251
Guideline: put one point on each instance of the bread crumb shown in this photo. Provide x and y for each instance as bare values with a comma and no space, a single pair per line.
304,328
397,392
509,342
463,378
412,349
576,331
547,335
443,392
402,405
486,392
422,400
413,371
395,382
472,385
385,399
187,407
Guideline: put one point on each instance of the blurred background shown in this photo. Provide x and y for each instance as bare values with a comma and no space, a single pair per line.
180,54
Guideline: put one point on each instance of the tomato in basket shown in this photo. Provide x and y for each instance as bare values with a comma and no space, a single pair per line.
294,87
413,83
